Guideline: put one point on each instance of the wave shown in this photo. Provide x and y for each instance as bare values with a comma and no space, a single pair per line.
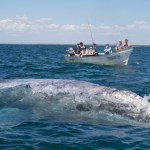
74,100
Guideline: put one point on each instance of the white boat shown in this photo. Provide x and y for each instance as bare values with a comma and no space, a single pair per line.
119,58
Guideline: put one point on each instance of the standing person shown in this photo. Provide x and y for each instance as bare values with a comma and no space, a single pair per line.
119,46
126,43
77,49
94,45
107,49
82,47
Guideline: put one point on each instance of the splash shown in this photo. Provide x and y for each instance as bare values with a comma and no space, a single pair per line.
147,98
74,100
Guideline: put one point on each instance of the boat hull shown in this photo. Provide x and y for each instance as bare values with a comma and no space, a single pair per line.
115,58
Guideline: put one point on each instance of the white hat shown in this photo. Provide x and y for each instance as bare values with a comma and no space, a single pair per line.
70,48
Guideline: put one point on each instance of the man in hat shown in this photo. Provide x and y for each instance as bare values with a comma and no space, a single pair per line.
107,49
119,46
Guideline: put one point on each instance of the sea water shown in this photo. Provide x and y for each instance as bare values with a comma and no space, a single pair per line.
52,119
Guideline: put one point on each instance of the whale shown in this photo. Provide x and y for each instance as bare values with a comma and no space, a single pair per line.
75,100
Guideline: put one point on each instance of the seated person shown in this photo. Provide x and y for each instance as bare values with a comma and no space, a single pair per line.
83,49
91,51
81,45
88,52
77,49
107,49
119,46
126,43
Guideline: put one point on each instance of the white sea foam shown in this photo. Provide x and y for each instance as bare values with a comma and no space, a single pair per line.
147,98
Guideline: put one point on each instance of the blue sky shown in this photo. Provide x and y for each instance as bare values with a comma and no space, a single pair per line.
68,21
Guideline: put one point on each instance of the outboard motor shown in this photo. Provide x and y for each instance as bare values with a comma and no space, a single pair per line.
70,51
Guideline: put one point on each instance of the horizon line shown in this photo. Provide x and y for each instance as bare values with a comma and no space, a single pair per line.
64,44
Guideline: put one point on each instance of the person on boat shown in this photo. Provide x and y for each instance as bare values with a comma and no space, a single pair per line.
107,49
126,43
119,46
83,49
77,49
82,46
91,51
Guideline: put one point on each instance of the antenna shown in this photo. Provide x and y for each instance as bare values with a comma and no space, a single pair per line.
93,44
90,32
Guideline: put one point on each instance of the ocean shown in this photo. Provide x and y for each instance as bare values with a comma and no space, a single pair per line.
49,104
